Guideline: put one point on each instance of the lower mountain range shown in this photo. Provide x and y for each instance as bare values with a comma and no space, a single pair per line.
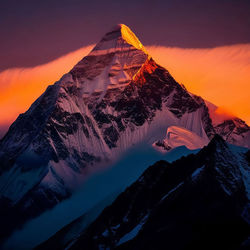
200,201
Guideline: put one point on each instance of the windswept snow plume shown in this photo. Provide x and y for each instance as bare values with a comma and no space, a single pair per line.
179,136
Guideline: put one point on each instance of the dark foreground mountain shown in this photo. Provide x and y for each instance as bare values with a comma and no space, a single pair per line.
198,202
113,99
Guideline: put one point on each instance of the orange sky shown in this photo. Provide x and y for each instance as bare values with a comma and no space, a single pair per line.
220,75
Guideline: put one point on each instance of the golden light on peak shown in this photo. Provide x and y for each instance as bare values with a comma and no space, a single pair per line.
131,38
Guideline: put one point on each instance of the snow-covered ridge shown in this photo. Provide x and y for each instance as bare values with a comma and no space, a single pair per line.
231,128
131,38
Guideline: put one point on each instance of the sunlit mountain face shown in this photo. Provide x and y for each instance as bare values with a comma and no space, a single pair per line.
94,132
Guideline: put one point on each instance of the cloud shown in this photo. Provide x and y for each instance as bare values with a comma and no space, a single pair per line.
220,75
20,87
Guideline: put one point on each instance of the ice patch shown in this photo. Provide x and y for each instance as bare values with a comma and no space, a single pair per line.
172,191
197,173
130,235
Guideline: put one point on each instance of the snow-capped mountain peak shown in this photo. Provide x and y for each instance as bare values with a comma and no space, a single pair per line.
111,64
113,99
118,38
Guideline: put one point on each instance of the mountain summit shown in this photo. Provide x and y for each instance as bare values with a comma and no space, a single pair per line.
113,100
117,39
112,63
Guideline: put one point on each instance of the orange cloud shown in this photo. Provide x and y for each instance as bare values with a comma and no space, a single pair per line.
20,87
220,75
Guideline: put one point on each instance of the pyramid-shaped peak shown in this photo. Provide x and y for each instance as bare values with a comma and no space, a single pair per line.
113,62
119,37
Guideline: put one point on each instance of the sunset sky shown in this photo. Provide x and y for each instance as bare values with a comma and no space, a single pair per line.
204,44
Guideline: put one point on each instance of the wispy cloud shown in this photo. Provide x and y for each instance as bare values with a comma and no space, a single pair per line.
20,87
220,75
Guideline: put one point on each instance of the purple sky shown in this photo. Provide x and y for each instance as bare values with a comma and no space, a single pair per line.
35,31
